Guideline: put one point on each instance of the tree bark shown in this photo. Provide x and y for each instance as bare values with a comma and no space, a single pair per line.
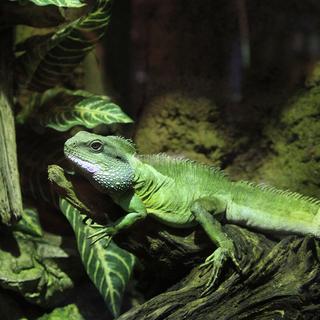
10,194
278,281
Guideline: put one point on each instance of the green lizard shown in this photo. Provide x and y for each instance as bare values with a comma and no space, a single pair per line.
182,193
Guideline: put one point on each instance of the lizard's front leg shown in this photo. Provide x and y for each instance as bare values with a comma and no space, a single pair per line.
204,211
137,211
123,223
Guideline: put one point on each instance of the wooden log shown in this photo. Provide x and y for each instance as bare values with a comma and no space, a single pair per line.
280,280
10,193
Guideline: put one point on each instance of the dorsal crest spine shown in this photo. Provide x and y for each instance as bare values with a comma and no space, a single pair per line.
285,193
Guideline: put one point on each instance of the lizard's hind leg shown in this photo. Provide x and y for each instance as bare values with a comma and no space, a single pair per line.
204,211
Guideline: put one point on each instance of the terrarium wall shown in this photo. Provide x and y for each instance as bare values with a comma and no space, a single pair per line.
234,84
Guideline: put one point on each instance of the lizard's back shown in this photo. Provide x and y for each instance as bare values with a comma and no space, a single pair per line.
196,179
259,206
185,182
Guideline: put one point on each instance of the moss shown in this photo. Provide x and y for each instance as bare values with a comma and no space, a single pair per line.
294,161
181,124
283,150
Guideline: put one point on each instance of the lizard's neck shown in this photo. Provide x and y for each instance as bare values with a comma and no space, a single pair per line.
148,181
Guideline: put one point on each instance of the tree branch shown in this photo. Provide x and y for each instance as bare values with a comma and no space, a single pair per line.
10,194
278,281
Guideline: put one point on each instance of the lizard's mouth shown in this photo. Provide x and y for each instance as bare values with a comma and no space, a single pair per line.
84,166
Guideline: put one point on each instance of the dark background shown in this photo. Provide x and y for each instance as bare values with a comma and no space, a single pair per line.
231,83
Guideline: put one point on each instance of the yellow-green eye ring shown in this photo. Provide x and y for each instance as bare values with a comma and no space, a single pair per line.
96,145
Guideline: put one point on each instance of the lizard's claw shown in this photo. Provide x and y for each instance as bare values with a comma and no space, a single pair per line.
217,260
85,220
104,233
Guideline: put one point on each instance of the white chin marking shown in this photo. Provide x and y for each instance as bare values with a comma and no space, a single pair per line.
87,166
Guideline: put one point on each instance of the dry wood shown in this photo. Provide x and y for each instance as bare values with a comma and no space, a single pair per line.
10,194
280,280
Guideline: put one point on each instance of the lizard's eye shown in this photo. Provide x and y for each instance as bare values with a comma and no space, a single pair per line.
96,145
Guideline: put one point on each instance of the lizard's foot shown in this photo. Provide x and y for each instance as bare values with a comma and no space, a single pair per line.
217,259
104,233
88,222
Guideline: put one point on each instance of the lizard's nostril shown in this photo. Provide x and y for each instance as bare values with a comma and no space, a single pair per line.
70,144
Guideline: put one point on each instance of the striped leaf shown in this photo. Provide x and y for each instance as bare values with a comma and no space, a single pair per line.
50,62
62,109
59,3
109,268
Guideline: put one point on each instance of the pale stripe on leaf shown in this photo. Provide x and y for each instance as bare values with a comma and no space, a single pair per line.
109,268
59,3
62,109
47,63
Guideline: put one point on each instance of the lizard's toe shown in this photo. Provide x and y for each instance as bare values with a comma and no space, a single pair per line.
217,260
104,233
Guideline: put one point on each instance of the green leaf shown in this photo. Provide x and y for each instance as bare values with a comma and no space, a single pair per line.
109,268
40,279
62,109
29,223
50,62
59,3
69,312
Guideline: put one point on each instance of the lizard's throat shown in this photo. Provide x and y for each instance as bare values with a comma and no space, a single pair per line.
84,166
113,181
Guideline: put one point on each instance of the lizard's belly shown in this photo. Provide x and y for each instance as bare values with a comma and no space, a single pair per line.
245,216
179,217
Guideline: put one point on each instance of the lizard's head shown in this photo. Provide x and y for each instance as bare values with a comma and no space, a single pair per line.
104,160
